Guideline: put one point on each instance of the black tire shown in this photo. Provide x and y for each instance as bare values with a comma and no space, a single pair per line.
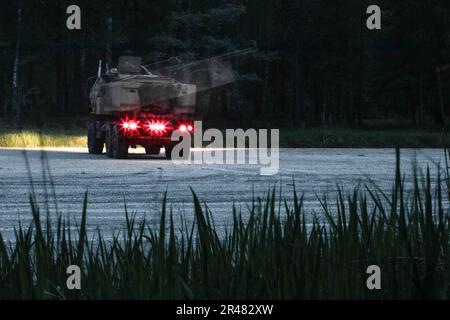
119,144
95,145
152,150
169,149
108,141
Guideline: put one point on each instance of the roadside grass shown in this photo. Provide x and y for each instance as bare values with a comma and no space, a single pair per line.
289,138
273,253
36,138
362,138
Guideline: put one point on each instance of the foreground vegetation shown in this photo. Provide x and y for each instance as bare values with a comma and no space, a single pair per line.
272,254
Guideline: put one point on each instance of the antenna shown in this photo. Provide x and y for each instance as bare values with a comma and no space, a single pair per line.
99,72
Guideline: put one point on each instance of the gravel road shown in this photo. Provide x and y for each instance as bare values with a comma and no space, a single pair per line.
141,181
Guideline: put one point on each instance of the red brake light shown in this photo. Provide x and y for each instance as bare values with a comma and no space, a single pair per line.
157,127
133,126
129,125
186,128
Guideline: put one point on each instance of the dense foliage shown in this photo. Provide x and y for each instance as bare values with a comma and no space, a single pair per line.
317,62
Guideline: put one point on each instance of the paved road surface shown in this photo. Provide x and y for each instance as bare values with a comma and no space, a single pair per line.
142,180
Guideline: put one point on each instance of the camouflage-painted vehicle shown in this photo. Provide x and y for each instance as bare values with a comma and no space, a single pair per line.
131,107
136,105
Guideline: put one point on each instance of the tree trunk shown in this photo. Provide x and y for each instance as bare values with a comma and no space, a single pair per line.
65,84
59,87
266,89
317,101
440,117
325,106
16,104
83,105
59,64
299,112
360,76
421,101
109,38
77,92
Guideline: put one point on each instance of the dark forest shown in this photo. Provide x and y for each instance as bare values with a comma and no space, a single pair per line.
317,64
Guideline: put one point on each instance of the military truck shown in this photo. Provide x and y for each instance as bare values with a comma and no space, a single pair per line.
143,105
132,107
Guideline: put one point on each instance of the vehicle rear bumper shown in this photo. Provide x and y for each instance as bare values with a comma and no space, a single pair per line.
148,139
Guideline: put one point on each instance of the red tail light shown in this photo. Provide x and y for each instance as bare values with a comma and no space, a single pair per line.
186,127
157,127
129,125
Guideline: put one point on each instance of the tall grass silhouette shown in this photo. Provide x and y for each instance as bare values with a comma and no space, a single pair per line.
272,253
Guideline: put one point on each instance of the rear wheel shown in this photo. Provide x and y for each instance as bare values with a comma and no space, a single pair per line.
152,150
95,145
182,155
169,147
108,141
119,144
